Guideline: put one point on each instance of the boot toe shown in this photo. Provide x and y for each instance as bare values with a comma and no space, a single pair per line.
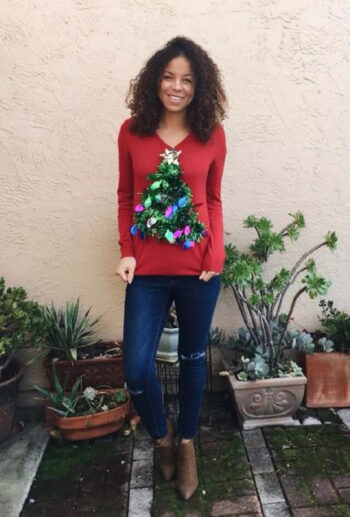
186,492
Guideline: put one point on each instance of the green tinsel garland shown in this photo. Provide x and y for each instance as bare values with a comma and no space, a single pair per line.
166,210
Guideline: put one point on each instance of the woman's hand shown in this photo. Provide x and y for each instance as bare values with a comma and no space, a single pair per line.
207,275
126,269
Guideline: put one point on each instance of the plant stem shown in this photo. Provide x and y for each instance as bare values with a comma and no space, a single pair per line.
302,290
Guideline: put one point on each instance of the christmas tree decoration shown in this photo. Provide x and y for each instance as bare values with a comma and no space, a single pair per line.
166,211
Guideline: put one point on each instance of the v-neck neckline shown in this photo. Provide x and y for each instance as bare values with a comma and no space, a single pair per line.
173,146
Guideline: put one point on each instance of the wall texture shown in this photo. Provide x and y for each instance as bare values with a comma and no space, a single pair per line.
65,69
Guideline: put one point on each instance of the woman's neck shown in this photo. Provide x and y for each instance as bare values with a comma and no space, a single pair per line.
172,121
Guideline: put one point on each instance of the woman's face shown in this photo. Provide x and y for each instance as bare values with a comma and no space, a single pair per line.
176,85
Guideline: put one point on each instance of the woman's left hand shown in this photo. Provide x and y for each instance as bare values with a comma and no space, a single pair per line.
207,275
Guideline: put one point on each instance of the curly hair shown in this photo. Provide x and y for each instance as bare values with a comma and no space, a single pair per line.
207,108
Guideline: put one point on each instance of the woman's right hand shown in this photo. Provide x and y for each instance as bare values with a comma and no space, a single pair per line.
126,269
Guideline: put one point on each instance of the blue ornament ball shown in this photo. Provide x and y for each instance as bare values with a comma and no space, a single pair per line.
134,229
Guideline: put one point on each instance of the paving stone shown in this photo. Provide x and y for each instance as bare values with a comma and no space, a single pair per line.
276,510
143,450
311,421
194,513
323,491
296,490
318,511
122,445
140,501
259,514
269,488
345,495
141,433
240,505
141,474
345,416
216,433
20,457
260,460
213,448
341,481
253,438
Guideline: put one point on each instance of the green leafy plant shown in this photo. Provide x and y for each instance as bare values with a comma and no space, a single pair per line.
21,323
77,402
337,327
67,332
260,301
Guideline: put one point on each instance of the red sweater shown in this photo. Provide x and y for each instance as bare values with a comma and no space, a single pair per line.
202,167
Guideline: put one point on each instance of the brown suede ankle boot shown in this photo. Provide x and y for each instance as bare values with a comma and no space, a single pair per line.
187,477
166,453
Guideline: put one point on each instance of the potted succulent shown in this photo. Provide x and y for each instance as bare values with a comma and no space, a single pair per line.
169,340
267,385
21,325
328,368
81,414
71,343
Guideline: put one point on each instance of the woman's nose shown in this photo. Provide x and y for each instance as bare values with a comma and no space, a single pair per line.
177,84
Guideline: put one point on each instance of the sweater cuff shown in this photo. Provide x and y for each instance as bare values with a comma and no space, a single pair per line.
127,250
213,263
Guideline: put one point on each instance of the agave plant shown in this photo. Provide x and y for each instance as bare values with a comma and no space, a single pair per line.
77,402
260,301
172,321
67,332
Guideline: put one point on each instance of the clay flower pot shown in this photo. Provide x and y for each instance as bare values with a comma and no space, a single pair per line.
88,426
267,401
8,397
98,371
328,379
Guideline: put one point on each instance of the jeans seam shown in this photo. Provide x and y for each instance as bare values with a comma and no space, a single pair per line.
151,363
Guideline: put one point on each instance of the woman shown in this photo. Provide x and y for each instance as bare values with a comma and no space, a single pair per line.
177,103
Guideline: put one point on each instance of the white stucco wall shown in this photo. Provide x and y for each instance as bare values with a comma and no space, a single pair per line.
65,69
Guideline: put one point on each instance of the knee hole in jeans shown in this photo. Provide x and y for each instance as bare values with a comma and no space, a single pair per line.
133,391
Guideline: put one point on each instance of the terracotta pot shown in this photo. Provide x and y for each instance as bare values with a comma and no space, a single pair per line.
99,371
266,402
88,426
8,397
328,379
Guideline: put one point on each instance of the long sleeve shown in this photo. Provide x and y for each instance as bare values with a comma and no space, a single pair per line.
125,195
214,256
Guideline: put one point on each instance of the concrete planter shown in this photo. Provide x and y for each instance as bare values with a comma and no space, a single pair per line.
266,402
328,379
168,344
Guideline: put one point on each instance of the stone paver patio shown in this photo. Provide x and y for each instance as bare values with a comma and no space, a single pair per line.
301,470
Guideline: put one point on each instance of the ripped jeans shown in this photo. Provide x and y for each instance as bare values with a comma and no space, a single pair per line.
147,302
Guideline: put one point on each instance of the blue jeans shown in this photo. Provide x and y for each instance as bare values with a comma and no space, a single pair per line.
147,302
